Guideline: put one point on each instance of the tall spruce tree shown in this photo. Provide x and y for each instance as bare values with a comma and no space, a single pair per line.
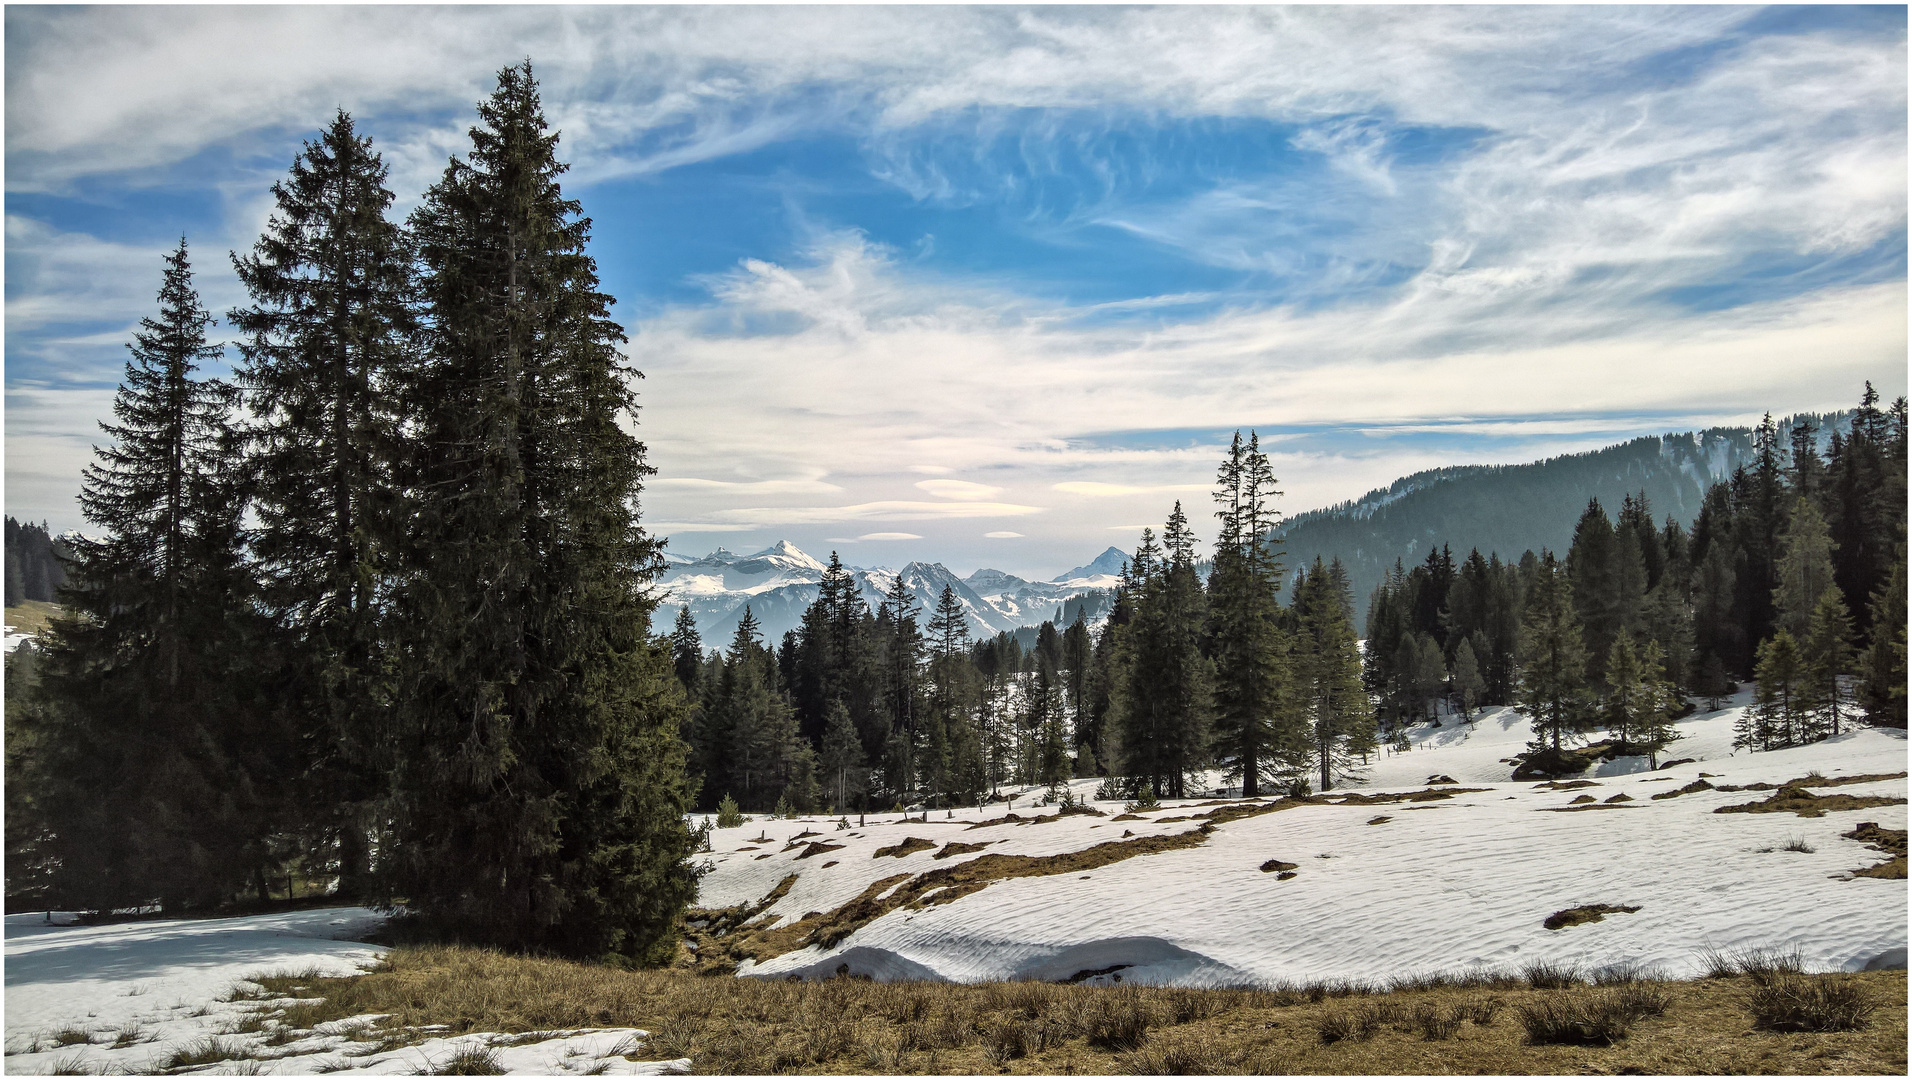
1778,713
1826,656
1804,570
541,790
1554,662
323,343
687,650
1258,735
161,752
1882,688
1327,667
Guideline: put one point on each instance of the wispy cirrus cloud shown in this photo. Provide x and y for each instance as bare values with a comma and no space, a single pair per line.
1069,249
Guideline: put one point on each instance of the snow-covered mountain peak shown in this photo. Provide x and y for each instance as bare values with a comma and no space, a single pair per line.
1106,565
790,555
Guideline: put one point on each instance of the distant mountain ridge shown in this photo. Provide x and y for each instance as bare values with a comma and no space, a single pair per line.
1504,509
778,583
1510,509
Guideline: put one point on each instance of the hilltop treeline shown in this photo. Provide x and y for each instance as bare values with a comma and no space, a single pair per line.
1792,573
1516,508
375,613
34,570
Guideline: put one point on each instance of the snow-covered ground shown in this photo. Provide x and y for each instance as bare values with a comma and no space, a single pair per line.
1439,885
139,992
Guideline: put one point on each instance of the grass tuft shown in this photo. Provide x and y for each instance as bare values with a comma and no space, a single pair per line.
1788,1001
1548,975
471,1061
1435,1023
1590,1017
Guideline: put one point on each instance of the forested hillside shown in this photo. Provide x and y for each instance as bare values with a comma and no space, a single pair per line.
33,562
1511,509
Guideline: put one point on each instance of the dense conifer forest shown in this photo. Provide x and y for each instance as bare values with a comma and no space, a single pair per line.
34,567
371,618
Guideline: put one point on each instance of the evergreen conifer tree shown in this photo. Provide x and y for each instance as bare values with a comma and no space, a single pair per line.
1883,686
1258,731
1468,684
1554,662
687,650
1776,715
844,772
324,345
540,794
1804,569
1327,667
161,750
1826,658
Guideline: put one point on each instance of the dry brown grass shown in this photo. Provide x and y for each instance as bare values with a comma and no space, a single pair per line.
1589,913
1890,841
1449,1025
31,616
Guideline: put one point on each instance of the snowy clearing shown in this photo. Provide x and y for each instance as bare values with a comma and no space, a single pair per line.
129,997
1462,875
1376,890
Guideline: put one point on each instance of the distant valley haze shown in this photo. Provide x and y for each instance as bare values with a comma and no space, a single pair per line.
992,287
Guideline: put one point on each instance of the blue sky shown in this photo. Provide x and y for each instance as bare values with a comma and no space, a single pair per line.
992,286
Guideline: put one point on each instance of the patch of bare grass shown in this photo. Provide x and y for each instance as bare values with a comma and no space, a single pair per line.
1586,913
847,1025
1889,841
1788,1001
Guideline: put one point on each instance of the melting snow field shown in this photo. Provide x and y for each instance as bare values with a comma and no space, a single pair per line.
1436,886
1376,890
139,992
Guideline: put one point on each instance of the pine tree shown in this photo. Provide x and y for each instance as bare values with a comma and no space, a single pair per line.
1327,667
901,643
1468,684
845,775
1776,715
160,749
949,745
1804,570
1639,697
687,650
1259,734
541,794
1554,662
1593,566
1826,659
1883,686
323,345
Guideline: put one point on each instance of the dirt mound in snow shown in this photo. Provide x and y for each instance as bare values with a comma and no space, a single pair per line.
1560,920
1793,797
909,846
1890,841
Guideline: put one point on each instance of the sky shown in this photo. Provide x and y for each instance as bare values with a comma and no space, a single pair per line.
994,286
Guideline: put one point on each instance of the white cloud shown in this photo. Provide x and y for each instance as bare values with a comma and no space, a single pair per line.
1002,534
958,489
889,536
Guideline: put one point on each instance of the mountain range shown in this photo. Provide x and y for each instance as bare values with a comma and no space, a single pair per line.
778,583
1504,509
